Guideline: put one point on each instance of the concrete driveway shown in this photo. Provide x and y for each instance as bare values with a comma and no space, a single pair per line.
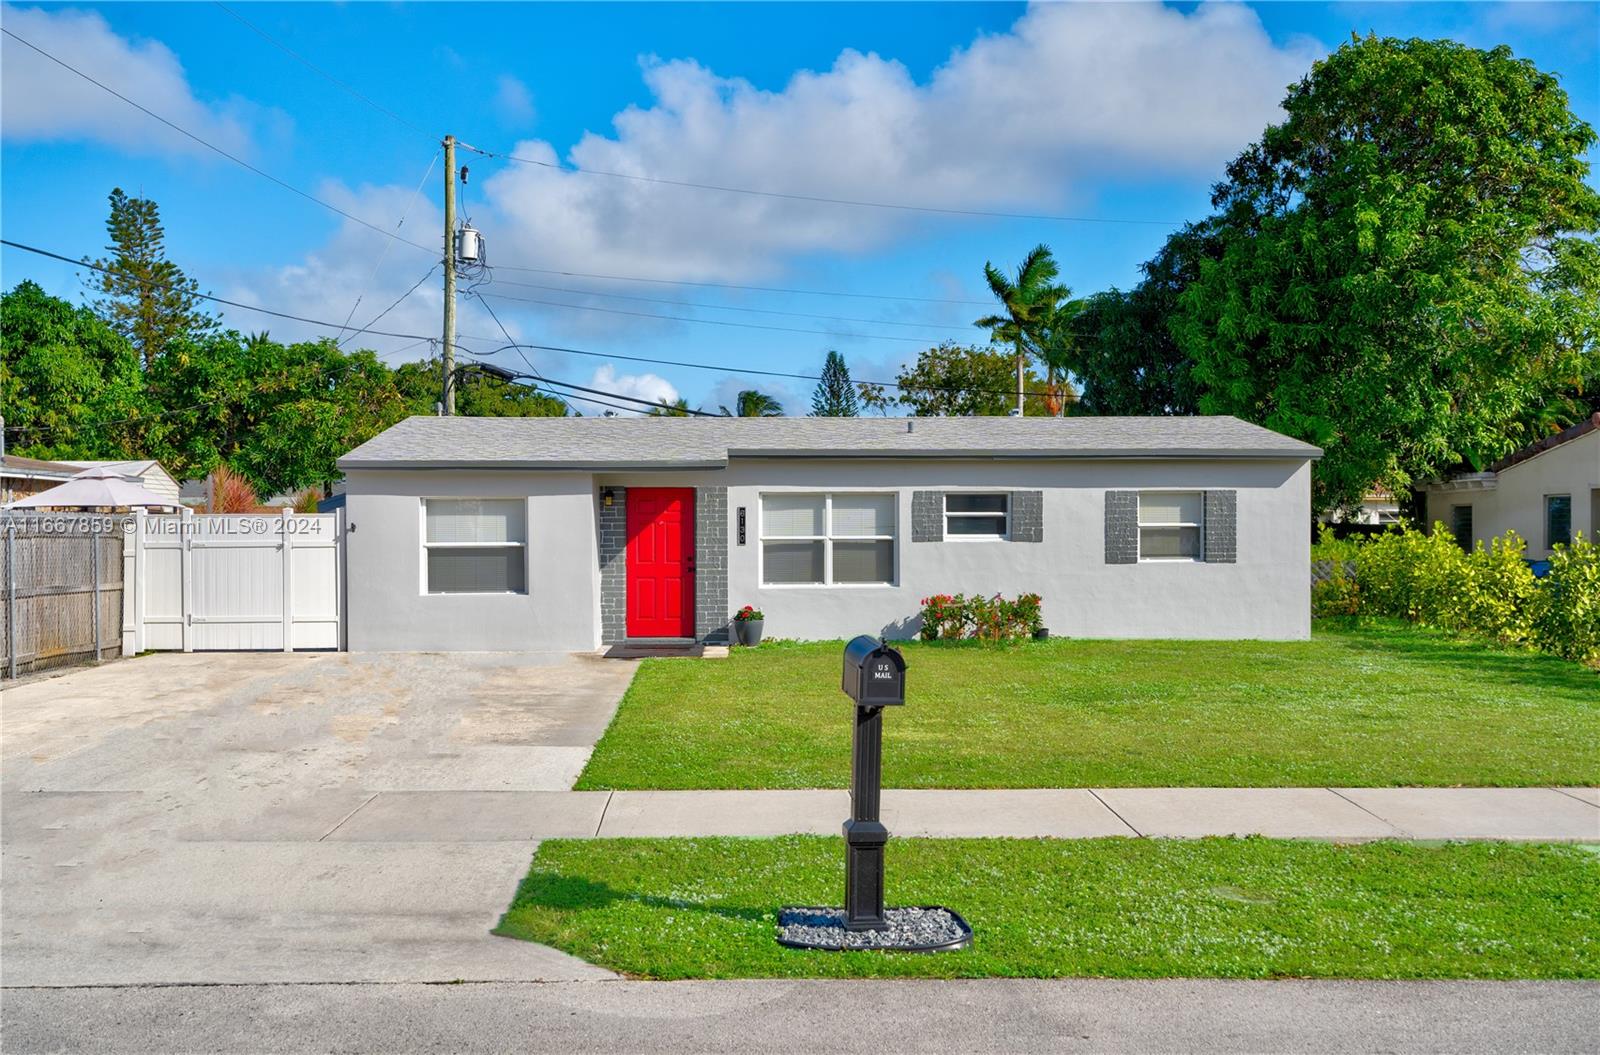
264,817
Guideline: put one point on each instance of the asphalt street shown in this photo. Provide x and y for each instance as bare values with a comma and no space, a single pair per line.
1012,1015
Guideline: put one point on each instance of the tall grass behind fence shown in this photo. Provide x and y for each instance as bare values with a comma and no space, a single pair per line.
60,590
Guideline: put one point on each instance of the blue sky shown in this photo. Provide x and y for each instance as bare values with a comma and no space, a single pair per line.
1113,112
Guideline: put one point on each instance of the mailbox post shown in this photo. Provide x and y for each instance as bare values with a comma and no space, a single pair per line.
874,678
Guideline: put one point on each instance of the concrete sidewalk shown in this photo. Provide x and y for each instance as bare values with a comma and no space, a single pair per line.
1343,814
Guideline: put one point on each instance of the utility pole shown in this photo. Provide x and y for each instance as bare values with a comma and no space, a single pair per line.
449,356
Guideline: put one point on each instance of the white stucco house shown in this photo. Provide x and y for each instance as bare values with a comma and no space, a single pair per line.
577,533
1547,493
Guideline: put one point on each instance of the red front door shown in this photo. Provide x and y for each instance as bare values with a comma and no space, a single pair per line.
660,562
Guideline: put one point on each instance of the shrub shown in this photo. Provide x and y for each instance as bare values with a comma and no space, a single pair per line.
949,617
1568,623
1428,579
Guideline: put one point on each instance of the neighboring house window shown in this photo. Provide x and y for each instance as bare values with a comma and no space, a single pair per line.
1557,520
1169,525
827,539
474,545
982,516
1461,526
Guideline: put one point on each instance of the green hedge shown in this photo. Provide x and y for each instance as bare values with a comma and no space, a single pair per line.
1429,579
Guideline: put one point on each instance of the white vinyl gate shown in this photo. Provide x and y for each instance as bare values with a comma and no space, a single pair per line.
234,583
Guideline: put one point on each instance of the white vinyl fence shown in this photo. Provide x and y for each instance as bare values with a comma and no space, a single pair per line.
235,583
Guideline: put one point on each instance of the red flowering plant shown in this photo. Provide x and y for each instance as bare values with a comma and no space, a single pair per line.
943,616
747,614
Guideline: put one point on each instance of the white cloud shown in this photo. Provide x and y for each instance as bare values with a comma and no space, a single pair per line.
640,386
42,101
1025,120
513,101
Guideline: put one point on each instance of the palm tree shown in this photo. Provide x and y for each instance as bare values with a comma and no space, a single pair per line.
678,409
753,404
1026,307
1057,348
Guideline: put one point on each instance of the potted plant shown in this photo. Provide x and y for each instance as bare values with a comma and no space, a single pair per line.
747,624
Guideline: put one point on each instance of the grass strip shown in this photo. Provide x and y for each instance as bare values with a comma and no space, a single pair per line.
1368,706
1122,908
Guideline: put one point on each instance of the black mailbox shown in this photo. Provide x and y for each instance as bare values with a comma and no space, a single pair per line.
874,673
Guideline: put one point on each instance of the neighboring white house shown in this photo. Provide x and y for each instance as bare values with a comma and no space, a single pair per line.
1378,507
150,472
571,533
1547,493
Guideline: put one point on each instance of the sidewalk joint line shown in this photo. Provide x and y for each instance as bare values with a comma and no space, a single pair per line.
1114,813
347,816
603,811
1403,833
1570,795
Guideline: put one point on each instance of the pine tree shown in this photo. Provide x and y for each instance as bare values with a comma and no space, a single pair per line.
149,300
835,395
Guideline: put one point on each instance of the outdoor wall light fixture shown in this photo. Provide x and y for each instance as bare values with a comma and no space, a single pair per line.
608,496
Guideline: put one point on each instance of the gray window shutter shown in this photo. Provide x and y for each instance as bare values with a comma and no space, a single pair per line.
1222,527
927,516
1122,527
1027,516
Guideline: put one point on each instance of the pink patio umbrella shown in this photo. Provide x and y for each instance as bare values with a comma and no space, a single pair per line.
100,488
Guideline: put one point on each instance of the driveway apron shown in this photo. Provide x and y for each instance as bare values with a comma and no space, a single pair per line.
198,818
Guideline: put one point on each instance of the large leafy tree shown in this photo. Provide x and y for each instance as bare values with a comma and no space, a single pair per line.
751,403
954,380
835,395
1124,354
147,298
280,415
69,385
477,395
1028,305
1405,273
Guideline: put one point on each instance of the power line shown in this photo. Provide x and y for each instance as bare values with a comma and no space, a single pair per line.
318,70
368,327
705,322
390,243
526,345
212,146
721,307
507,334
817,198
854,203
205,296
750,289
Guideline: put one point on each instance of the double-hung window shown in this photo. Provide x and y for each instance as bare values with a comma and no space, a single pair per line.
977,516
1170,525
1557,521
474,545
843,538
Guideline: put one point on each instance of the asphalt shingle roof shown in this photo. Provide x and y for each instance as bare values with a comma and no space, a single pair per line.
694,442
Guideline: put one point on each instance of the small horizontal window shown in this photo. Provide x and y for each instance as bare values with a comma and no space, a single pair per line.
969,515
1170,525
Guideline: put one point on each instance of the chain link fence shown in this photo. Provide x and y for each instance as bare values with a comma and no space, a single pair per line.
60,590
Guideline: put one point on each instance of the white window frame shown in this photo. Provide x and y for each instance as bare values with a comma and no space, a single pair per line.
1005,534
827,539
1200,532
422,535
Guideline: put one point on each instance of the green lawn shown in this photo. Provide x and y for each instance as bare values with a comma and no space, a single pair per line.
1380,705
1127,908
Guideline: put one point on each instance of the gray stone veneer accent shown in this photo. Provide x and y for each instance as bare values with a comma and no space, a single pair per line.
1122,527
1027,516
614,567
711,612
1222,527
927,516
